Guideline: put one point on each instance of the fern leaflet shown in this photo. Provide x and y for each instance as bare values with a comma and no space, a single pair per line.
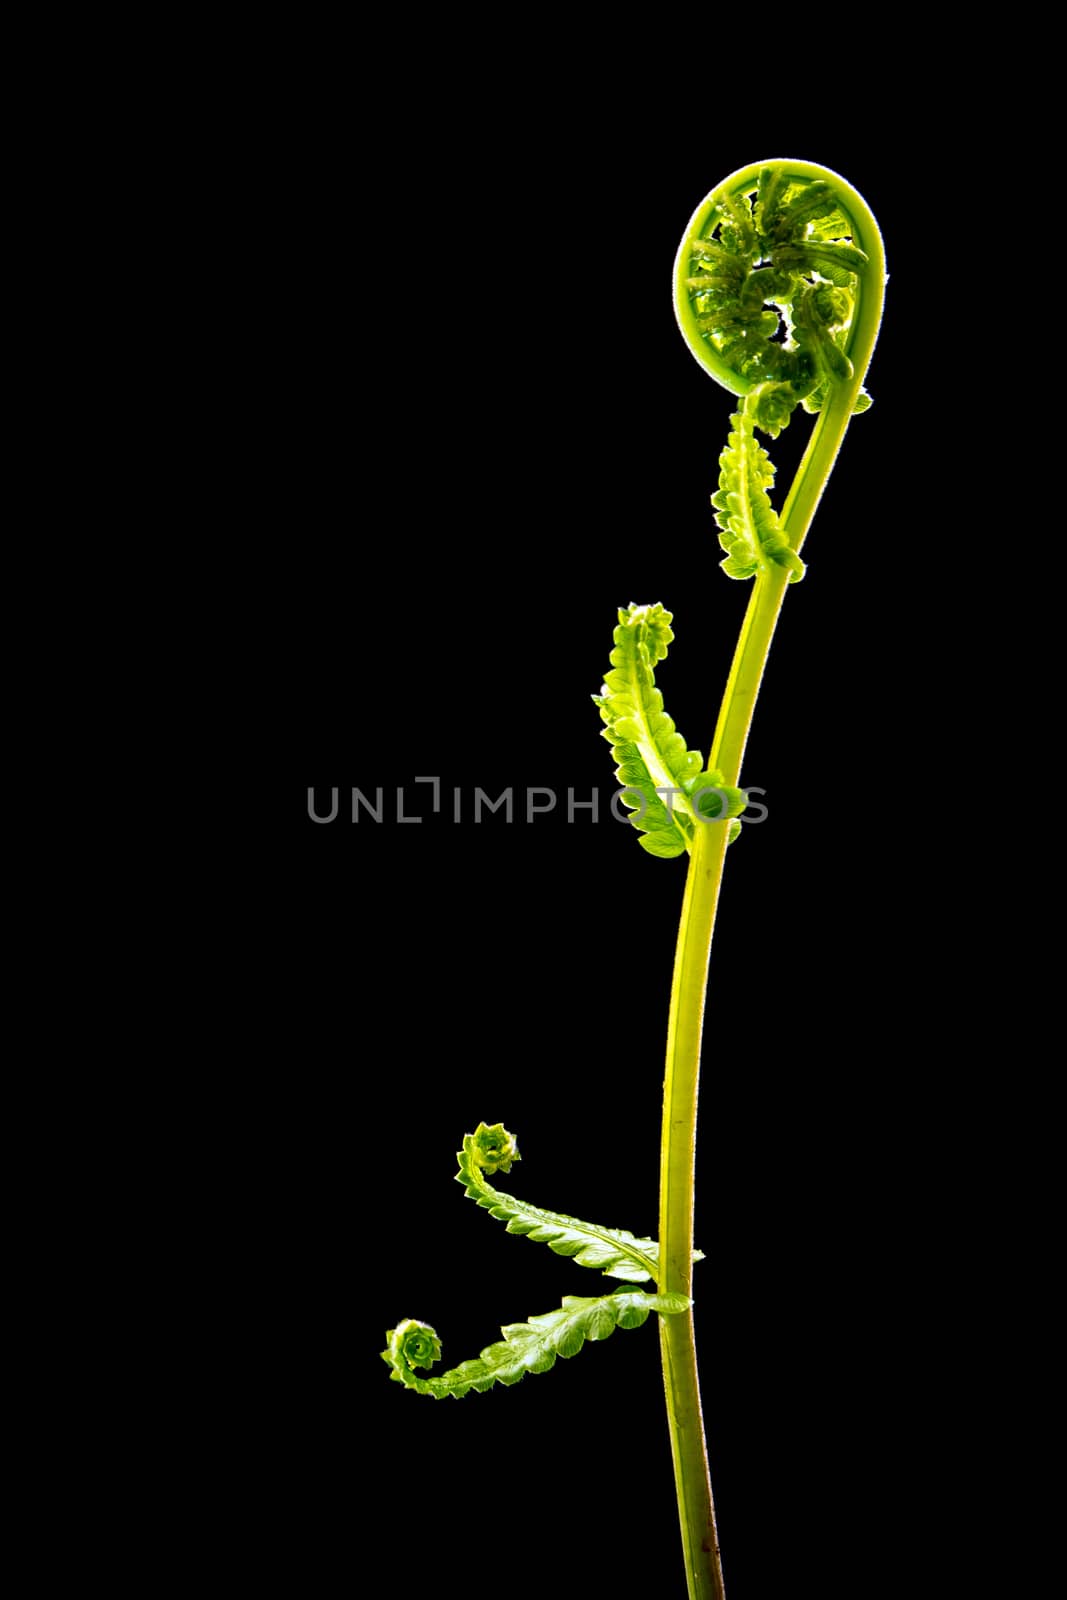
617,1253
750,531
664,783
527,1346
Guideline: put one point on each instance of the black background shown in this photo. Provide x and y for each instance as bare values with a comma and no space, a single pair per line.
466,430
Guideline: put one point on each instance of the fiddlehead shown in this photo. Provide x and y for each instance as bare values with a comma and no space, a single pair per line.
527,1346
614,1251
778,291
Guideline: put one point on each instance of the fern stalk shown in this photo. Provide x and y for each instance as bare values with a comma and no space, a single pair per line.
678,1149
707,855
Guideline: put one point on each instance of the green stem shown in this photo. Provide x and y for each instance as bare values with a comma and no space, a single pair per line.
692,1477
689,986
746,675
688,989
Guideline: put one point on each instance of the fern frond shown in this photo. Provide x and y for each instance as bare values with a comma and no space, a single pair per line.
750,531
664,783
614,1251
527,1346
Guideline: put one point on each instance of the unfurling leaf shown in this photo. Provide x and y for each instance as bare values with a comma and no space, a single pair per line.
614,1251
527,1346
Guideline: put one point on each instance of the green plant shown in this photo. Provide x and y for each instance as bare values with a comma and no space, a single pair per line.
778,290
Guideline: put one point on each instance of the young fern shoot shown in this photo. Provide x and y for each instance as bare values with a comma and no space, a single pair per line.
779,283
